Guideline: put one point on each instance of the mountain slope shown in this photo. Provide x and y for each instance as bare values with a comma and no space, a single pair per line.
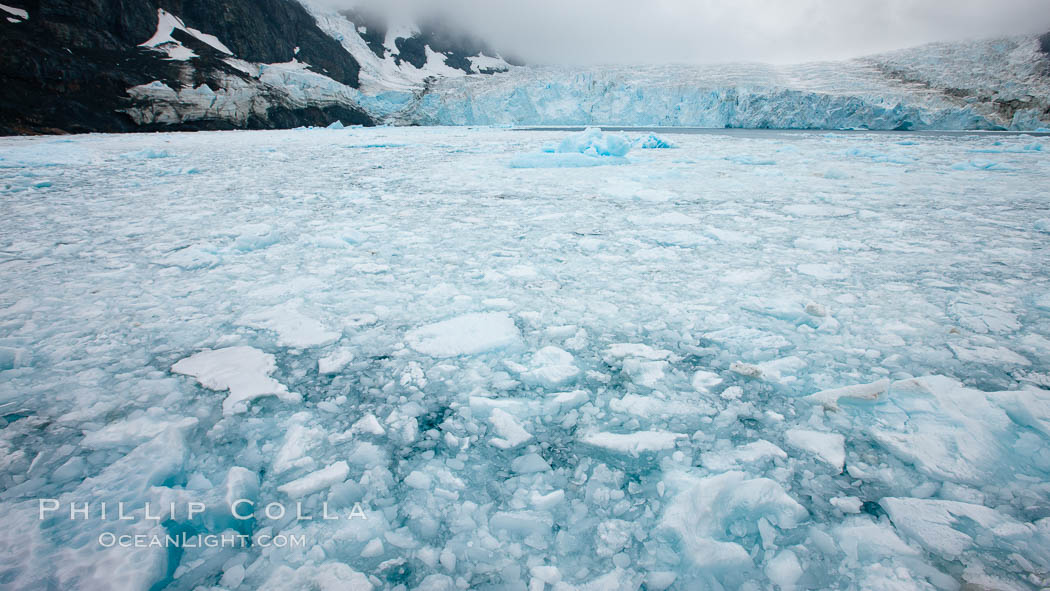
69,64
122,65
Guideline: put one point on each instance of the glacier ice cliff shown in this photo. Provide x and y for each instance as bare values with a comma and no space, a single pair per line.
996,84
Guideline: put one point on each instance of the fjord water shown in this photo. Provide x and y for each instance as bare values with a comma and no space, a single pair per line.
803,359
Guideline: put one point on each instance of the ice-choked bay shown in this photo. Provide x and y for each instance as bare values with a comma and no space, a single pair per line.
802,360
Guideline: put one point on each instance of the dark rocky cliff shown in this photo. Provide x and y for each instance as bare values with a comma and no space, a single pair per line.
71,66
67,67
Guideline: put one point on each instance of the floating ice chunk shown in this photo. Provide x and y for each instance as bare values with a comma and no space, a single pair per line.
949,528
563,401
197,256
465,335
647,374
996,356
547,501
147,154
334,362
521,523
298,439
730,236
659,580
552,376
621,350
618,579
587,148
859,392
750,453
553,368
482,406
132,432
748,370
293,328
671,218
418,480
633,443
732,393
244,371
818,210
652,141
316,481
784,570
704,381
947,431
511,433
336,125
824,271
241,483
545,574
750,160
708,509
252,237
529,464
986,316
981,165
846,504
370,268
648,407
1042,225
522,272
593,142
436,582
869,541
373,548
368,424
829,447
781,370
232,576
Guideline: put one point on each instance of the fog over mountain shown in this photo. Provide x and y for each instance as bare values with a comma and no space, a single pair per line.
706,31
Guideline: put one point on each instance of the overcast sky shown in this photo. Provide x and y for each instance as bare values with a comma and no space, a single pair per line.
657,31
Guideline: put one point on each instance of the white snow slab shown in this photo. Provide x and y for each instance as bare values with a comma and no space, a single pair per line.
469,334
18,12
829,447
634,443
167,23
244,371
316,481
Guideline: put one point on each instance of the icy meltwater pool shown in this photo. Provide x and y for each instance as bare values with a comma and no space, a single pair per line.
812,361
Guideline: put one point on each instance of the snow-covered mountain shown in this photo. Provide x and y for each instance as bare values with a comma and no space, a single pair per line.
210,64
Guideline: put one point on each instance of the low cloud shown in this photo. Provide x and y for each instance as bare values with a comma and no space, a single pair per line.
707,31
